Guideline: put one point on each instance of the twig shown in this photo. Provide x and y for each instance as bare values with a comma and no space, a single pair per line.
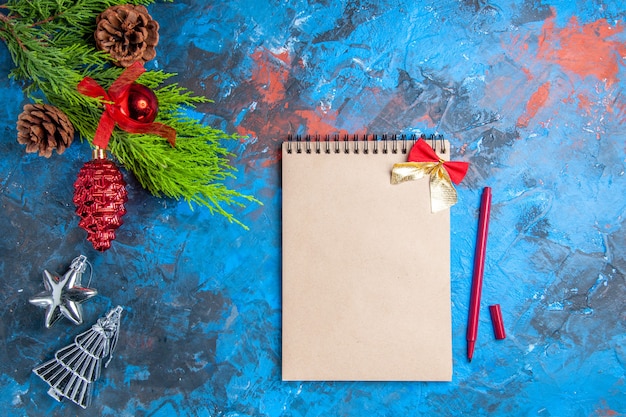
11,30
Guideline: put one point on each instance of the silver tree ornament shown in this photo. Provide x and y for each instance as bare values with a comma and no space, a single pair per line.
75,367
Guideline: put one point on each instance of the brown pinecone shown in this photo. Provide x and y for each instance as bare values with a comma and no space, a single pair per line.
42,128
127,33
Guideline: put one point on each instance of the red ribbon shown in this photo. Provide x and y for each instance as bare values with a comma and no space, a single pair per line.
423,152
113,101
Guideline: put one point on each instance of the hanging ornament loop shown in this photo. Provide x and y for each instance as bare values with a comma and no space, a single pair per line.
80,264
98,153
116,107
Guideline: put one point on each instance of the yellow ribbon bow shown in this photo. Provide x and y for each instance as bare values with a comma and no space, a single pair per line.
423,161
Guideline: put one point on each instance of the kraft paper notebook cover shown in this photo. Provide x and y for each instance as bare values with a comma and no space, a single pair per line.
366,267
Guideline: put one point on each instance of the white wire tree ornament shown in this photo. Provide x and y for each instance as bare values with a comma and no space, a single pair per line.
75,367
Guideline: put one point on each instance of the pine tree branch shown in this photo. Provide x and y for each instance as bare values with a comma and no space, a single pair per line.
51,44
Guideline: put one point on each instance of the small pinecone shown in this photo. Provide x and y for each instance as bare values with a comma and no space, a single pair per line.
127,33
42,128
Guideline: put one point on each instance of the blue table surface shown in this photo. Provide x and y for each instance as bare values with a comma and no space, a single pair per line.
529,92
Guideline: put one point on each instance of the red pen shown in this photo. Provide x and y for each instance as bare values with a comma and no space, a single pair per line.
479,269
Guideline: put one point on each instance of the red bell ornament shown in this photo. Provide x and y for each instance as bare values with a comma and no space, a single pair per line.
99,196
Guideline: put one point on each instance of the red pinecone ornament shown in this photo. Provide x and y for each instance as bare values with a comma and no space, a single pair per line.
99,196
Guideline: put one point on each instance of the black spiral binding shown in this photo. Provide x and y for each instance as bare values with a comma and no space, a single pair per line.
374,144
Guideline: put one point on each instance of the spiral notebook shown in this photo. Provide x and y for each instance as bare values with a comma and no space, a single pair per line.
366,266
